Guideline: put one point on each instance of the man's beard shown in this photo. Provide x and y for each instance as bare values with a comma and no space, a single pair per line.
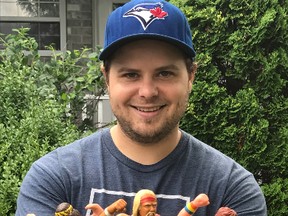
152,136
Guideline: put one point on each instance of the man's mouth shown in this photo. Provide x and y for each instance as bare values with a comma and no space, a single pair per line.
149,109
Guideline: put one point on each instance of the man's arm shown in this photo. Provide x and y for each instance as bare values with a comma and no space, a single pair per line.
41,190
244,195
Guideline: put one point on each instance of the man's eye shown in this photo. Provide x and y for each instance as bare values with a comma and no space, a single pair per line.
165,74
131,75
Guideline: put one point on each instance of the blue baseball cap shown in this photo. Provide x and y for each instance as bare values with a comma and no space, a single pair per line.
144,19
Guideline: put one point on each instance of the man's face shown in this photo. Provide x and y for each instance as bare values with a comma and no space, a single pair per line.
149,88
148,208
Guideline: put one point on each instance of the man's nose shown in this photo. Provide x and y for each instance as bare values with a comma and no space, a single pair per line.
148,88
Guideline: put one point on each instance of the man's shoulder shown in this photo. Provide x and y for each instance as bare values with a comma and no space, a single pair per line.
216,159
201,147
76,150
89,141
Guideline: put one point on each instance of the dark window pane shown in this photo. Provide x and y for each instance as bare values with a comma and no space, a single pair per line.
49,40
49,10
34,29
6,27
49,33
116,5
44,33
50,29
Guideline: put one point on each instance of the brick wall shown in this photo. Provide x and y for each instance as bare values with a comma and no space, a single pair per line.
79,24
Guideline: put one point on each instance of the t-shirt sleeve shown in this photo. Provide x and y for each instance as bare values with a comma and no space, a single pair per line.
244,194
42,188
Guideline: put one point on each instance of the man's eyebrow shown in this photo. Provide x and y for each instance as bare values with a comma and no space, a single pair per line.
167,67
161,68
127,69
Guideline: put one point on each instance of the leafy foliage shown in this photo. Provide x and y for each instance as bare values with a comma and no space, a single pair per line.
37,106
276,196
239,100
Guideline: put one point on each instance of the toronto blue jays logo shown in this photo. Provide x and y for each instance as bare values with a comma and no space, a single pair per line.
146,13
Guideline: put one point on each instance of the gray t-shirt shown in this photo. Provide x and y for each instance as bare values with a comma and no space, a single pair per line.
93,170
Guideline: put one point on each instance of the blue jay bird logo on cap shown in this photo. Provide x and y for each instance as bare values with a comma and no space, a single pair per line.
146,13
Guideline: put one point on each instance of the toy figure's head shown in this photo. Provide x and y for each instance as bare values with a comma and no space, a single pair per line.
145,203
66,209
225,211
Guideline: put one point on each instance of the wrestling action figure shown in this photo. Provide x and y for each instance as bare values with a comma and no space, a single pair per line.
144,204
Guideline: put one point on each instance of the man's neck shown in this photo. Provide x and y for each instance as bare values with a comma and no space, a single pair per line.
145,153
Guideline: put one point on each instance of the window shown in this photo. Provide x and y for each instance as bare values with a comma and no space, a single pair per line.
44,18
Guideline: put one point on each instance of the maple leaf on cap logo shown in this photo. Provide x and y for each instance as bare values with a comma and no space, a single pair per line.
158,12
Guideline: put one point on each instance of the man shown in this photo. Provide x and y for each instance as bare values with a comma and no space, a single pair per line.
148,63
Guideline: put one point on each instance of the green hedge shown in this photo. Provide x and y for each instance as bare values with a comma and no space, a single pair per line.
38,111
239,101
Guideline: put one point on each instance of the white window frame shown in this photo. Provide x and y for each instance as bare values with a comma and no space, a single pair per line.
101,10
61,19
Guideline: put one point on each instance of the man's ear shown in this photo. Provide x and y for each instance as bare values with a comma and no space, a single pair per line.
192,74
102,68
105,74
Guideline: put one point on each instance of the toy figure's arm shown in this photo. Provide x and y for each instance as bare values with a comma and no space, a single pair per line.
117,206
200,201
96,209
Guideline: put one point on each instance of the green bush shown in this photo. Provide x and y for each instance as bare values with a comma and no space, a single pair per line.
36,106
239,100
277,196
